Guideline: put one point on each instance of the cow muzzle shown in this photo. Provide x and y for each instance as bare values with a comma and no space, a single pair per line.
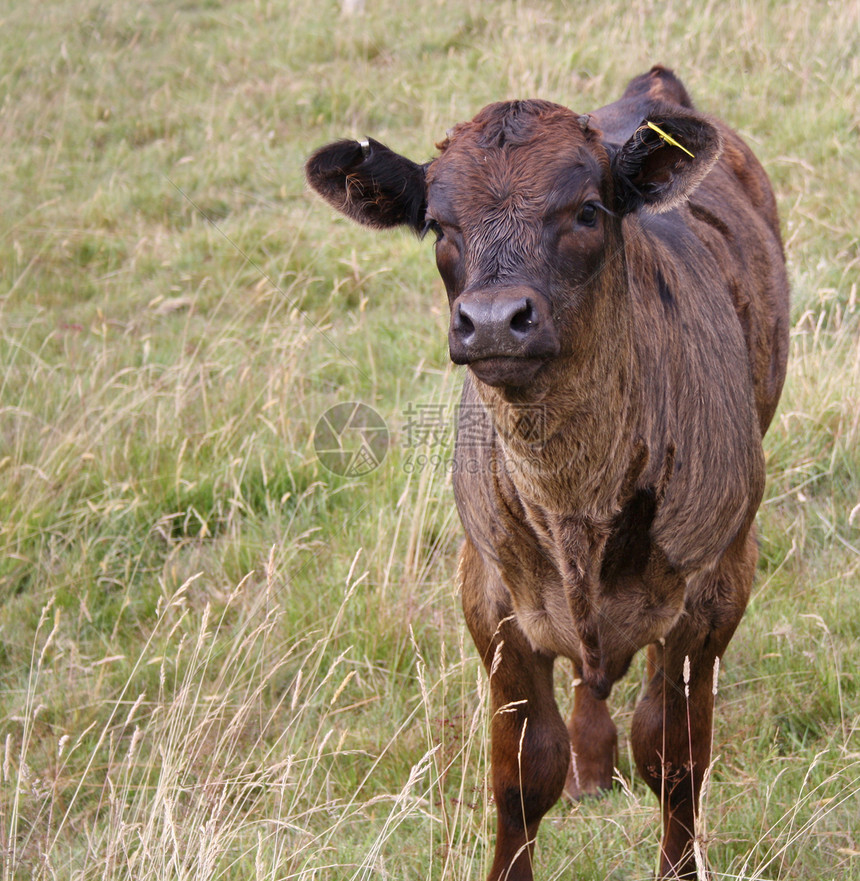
504,334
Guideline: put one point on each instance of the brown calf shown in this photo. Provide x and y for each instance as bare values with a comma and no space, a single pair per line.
617,287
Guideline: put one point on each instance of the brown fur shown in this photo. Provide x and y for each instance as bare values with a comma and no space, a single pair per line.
635,298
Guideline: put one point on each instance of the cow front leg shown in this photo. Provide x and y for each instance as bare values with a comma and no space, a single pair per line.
672,726
530,750
530,754
670,736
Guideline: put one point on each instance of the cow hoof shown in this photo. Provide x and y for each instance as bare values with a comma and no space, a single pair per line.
583,782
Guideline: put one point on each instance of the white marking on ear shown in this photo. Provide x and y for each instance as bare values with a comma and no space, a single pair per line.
365,147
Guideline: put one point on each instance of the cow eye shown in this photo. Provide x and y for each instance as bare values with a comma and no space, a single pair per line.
432,226
587,214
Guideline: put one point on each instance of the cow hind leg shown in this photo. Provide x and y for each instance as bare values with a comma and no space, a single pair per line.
530,750
672,724
593,745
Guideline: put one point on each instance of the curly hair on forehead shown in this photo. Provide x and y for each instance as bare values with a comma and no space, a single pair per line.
508,124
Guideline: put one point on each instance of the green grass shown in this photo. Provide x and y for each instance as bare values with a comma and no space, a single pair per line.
218,659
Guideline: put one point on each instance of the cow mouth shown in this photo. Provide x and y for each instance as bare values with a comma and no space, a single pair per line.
507,371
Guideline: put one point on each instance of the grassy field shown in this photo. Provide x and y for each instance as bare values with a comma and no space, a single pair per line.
219,660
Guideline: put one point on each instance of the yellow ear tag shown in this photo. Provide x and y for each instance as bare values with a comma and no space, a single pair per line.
668,138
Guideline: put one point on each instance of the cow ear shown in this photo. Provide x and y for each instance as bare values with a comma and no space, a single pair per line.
664,160
369,183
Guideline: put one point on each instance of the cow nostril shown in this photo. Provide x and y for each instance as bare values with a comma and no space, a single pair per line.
525,318
465,325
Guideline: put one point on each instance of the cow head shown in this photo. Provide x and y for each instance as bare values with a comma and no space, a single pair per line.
525,203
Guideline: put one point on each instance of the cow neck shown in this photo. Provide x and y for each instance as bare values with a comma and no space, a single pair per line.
580,459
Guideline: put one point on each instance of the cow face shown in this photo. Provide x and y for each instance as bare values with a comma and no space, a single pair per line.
525,203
